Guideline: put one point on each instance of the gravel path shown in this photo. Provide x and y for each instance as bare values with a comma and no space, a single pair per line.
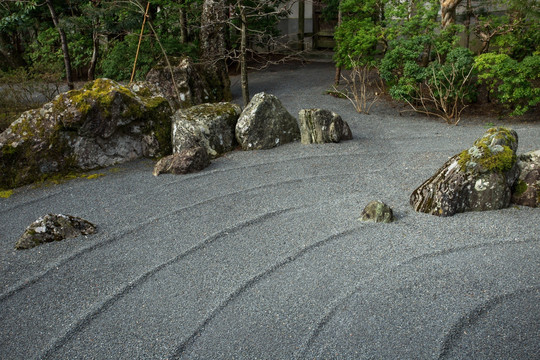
262,256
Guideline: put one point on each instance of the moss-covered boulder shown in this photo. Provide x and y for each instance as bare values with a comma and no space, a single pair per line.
192,84
102,124
477,179
208,125
526,190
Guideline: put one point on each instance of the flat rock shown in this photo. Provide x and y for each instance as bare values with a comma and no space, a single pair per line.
53,227
184,162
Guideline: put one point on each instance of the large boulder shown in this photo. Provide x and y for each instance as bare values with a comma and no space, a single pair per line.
184,162
265,124
208,125
318,126
53,227
527,188
102,124
477,179
193,84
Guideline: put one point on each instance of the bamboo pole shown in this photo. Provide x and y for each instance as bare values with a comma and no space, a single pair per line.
139,45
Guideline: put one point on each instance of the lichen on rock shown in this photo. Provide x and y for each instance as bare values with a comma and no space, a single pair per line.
211,126
526,190
377,211
321,126
265,124
477,179
53,227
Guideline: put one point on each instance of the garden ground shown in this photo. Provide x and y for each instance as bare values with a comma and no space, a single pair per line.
262,255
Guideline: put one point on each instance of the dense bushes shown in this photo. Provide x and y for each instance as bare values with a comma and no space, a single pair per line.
424,65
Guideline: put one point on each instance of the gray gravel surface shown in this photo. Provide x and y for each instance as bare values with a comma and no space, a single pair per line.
262,255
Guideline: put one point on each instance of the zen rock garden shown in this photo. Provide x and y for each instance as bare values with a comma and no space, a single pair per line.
106,123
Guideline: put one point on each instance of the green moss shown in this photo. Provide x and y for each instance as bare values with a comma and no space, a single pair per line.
520,187
482,156
4,194
94,176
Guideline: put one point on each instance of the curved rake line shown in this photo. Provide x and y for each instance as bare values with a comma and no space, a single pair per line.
470,318
338,302
207,173
183,347
119,234
29,202
103,305
116,236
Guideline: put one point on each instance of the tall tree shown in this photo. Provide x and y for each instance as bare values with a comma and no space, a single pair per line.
63,41
448,12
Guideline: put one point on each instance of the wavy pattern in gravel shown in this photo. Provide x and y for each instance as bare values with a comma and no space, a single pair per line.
262,255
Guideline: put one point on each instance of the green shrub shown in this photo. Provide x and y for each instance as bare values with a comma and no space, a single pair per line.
513,83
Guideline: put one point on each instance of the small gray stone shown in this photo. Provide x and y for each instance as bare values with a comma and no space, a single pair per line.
184,162
265,124
53,227
377,211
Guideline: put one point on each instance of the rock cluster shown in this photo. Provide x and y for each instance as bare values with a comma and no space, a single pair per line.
100,125
318,126
53,227
477,179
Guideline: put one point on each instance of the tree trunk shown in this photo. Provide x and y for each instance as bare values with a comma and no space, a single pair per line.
95,51
448,12
337,75
468,24
212,44
301,22
183,23
243,64
63,41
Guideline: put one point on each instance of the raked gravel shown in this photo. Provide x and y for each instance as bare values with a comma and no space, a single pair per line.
262,255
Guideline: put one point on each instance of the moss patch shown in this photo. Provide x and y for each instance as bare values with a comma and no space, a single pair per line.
4,194
520,187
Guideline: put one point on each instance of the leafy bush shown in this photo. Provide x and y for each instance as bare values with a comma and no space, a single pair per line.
358,34
515,84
